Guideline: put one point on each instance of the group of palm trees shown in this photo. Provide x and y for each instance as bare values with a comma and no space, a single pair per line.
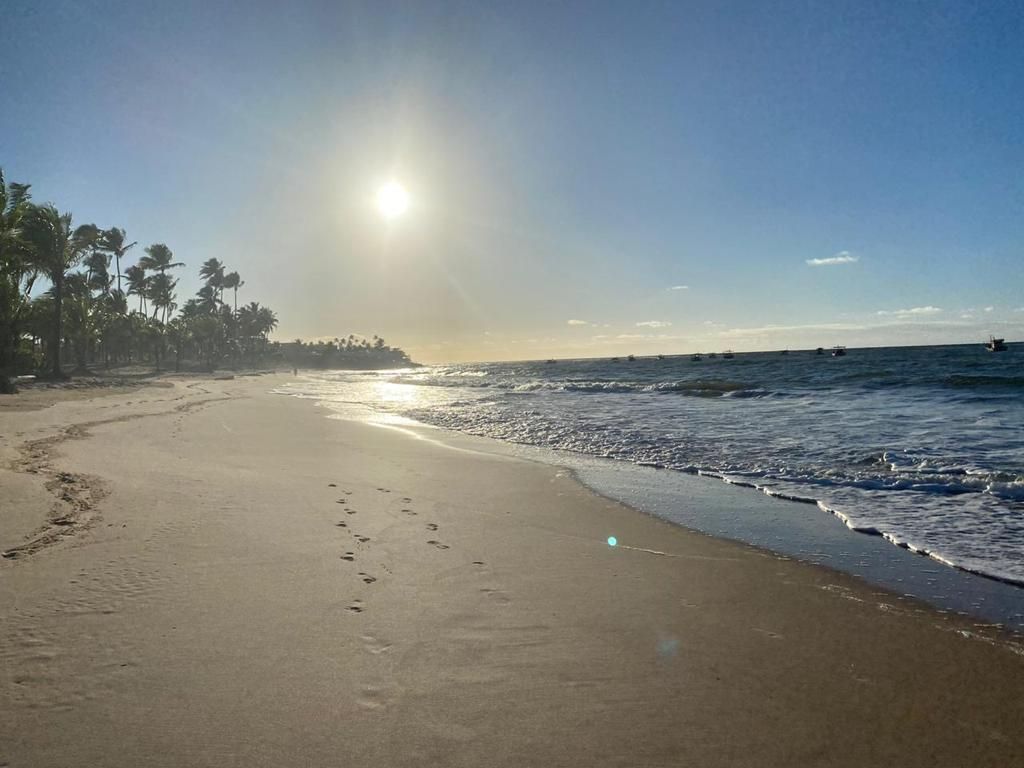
349,353
85,309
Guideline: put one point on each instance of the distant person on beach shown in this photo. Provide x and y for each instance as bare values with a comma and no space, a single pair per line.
295,371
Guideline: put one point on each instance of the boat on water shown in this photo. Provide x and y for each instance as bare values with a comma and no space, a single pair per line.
819,351
552,360
712,355
697,357
996,345
661,357
838,351
631,358
784,352
616,360
728,355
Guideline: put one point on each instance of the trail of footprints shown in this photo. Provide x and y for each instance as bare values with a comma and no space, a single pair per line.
378,695
350,556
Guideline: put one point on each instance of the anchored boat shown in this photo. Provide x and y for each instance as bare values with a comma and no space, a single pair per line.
996,345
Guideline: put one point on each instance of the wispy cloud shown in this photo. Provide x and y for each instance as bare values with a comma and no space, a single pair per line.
679,288
578,322
843,257
812,327
654,324
989,309
912,312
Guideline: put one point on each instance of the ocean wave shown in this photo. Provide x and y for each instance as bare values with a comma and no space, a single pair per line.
921,448
994,382
693,388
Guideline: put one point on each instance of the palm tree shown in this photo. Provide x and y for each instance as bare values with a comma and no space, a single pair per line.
138,284
112,241
233,280
212,271
266,321
158,259
16,274
161,294
54,249
97,264
207,299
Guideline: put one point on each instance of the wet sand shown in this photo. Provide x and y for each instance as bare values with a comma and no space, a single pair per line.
209,575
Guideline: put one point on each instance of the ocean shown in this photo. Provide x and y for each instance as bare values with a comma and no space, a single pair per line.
923,446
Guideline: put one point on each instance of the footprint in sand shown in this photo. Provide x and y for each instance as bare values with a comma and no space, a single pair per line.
497,595
367,578
340,501
431,526
362,539
407,500
349,511
374,697
332,485
410,512
438,544
384,490
356,607
478,562
341,524
349,557
375,645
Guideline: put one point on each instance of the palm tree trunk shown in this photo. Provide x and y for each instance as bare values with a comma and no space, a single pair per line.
58,296
117,259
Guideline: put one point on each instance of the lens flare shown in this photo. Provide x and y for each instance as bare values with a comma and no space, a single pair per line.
612,541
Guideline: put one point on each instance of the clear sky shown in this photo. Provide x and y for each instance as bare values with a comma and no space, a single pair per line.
585,178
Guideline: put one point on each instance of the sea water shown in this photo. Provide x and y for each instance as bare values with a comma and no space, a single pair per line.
923,446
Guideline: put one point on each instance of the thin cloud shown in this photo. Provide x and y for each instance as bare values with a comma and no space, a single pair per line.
843,257
578,322
679,288
912,312
989,309
654,324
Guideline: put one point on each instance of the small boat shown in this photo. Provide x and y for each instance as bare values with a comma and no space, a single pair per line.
784,352
728,355
696,357
838,351
996,345
712,355
631,358
616,360
552,360
819,351
661,357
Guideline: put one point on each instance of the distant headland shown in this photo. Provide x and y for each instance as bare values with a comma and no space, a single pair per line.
349,353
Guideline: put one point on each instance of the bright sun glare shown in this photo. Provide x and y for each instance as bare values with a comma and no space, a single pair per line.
392,200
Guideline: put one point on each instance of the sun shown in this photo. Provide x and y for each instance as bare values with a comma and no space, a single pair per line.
392,200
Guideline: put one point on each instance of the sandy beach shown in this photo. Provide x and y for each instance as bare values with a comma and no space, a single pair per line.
206,574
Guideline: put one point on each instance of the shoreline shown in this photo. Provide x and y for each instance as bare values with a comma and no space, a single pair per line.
823,538
481,606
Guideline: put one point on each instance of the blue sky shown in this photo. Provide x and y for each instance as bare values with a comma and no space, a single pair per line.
567,162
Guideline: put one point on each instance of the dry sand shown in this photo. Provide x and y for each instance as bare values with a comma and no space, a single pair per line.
209,575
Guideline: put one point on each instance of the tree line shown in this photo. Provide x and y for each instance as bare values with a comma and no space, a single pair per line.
349,353
97,310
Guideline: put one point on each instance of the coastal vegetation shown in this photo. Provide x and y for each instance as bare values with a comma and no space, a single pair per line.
349,353
70,304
